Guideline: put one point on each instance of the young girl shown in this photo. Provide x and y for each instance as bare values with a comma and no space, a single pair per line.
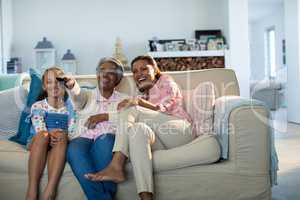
52,120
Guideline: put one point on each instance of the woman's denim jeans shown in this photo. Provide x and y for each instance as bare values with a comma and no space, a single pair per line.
88,156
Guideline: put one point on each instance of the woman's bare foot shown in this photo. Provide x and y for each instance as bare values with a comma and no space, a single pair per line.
110,173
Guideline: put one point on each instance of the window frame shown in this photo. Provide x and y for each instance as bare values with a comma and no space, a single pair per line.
270,52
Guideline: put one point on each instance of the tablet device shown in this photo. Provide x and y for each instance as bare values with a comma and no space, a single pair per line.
56,121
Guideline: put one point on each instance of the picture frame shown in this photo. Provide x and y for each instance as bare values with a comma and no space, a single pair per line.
154,43
215,43
202,45
192,44
169,46
177,45
220,43
204,35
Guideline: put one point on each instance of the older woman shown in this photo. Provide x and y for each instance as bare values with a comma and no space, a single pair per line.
92,151
155,120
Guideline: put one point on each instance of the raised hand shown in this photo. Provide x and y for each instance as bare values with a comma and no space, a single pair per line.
68,81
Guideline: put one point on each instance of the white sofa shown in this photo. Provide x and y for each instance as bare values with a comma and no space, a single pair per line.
267,91
245,175
8,81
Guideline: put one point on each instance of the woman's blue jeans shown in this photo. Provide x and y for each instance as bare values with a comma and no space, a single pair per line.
88,156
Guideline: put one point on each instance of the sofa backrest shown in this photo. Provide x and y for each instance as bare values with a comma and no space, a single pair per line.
225,81
8,81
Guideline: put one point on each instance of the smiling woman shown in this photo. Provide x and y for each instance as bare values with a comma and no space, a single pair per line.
109,68
92,150
145,72
156,120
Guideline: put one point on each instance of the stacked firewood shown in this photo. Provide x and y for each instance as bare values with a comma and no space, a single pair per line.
189,63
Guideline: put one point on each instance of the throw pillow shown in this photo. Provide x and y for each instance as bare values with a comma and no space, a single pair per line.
200,105
34,91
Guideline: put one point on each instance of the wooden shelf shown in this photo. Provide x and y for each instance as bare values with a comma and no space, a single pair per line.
174,54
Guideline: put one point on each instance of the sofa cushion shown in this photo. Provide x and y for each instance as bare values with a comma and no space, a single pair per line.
34,91
12,103
199,103
16,158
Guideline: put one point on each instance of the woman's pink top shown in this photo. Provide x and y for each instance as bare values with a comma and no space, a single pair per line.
167,95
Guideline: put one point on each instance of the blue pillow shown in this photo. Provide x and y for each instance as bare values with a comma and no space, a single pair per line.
34,91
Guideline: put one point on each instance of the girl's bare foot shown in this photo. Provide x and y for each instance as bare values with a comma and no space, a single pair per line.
110,173
31,196
48,194
146,196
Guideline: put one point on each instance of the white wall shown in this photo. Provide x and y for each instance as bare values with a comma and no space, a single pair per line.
292,28
7,32
1,47
262,8
89,28
258,48
238,30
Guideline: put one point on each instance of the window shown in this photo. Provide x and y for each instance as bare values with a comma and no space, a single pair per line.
270,52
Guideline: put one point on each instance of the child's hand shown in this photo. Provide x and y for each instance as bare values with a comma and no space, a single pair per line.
56,136
95,119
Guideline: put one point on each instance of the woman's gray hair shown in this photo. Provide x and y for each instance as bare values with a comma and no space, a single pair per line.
114,61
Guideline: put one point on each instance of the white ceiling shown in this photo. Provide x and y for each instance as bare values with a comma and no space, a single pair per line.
261,8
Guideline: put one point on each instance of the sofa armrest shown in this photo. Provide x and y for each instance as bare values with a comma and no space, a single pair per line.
248,127
12,102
